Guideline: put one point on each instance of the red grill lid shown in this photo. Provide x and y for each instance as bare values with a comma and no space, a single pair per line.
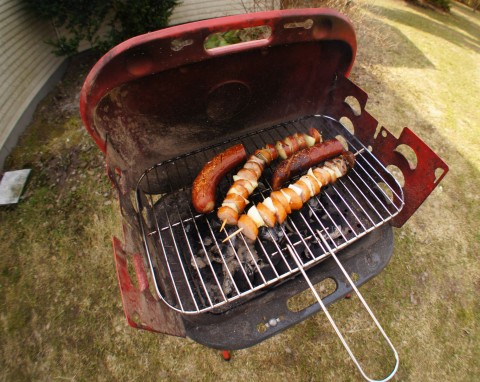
163,93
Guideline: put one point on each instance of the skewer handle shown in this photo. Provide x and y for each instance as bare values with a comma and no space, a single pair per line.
298,261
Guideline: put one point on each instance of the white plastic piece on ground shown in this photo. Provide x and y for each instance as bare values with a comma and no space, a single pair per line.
11,186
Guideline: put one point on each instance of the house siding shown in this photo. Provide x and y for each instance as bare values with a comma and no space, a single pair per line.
26,66
187,11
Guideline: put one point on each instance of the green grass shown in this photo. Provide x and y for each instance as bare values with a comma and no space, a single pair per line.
61,316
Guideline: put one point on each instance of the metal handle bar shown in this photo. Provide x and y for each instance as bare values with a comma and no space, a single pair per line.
298,261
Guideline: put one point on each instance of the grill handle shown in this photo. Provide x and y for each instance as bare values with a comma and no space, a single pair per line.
298,261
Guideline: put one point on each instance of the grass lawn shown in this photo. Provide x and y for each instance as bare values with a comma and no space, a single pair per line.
61,316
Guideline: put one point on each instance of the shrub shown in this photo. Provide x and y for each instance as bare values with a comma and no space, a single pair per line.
442,4
82,19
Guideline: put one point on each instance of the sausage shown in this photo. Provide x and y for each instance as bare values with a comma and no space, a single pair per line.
315,134
282,199
291,144
280,212
267,215
304,159
272,211
302,190
294,199
228,214
272,150
252,171
253,168
205,184
248,226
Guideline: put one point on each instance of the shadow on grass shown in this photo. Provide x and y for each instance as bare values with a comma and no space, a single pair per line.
395,51
442,25
442,226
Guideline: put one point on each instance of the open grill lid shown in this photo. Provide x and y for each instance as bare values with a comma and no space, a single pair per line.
162,94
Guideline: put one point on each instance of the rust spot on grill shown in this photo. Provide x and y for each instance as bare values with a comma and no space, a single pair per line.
139,65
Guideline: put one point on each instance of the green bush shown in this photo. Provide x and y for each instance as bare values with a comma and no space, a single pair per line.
82,19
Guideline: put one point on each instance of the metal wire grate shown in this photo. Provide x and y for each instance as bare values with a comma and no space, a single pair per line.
195,272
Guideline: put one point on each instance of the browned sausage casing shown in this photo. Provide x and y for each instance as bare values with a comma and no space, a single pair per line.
304,159
206,182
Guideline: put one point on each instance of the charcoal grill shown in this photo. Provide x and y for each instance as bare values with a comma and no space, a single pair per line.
163,104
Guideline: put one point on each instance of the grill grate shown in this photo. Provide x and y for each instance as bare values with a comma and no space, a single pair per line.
195,272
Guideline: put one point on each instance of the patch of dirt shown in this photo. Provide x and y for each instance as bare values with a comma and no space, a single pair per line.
66,97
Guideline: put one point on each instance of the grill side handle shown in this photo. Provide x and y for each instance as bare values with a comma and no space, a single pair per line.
142,310
420,179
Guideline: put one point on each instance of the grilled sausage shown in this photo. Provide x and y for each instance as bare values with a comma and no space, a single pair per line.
272,210
282,199
231,207
228,214
304,159
291,144
205,184
256,163
294,200
267,215
248,226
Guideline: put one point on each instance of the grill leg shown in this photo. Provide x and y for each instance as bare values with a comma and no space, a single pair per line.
226,355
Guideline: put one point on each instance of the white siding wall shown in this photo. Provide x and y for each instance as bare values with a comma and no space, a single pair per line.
27,65
193,10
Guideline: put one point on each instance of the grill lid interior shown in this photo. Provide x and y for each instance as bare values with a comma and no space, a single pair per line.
163,94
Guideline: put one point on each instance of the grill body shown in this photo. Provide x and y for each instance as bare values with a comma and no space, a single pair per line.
160,104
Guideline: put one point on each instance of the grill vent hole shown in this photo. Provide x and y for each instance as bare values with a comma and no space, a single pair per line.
306,298
386,191
261,327
409,155
354,105
348,124
343,141
237,36
355,277
307,24
397,174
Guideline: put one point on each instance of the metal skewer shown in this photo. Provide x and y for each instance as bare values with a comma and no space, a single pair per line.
298,261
